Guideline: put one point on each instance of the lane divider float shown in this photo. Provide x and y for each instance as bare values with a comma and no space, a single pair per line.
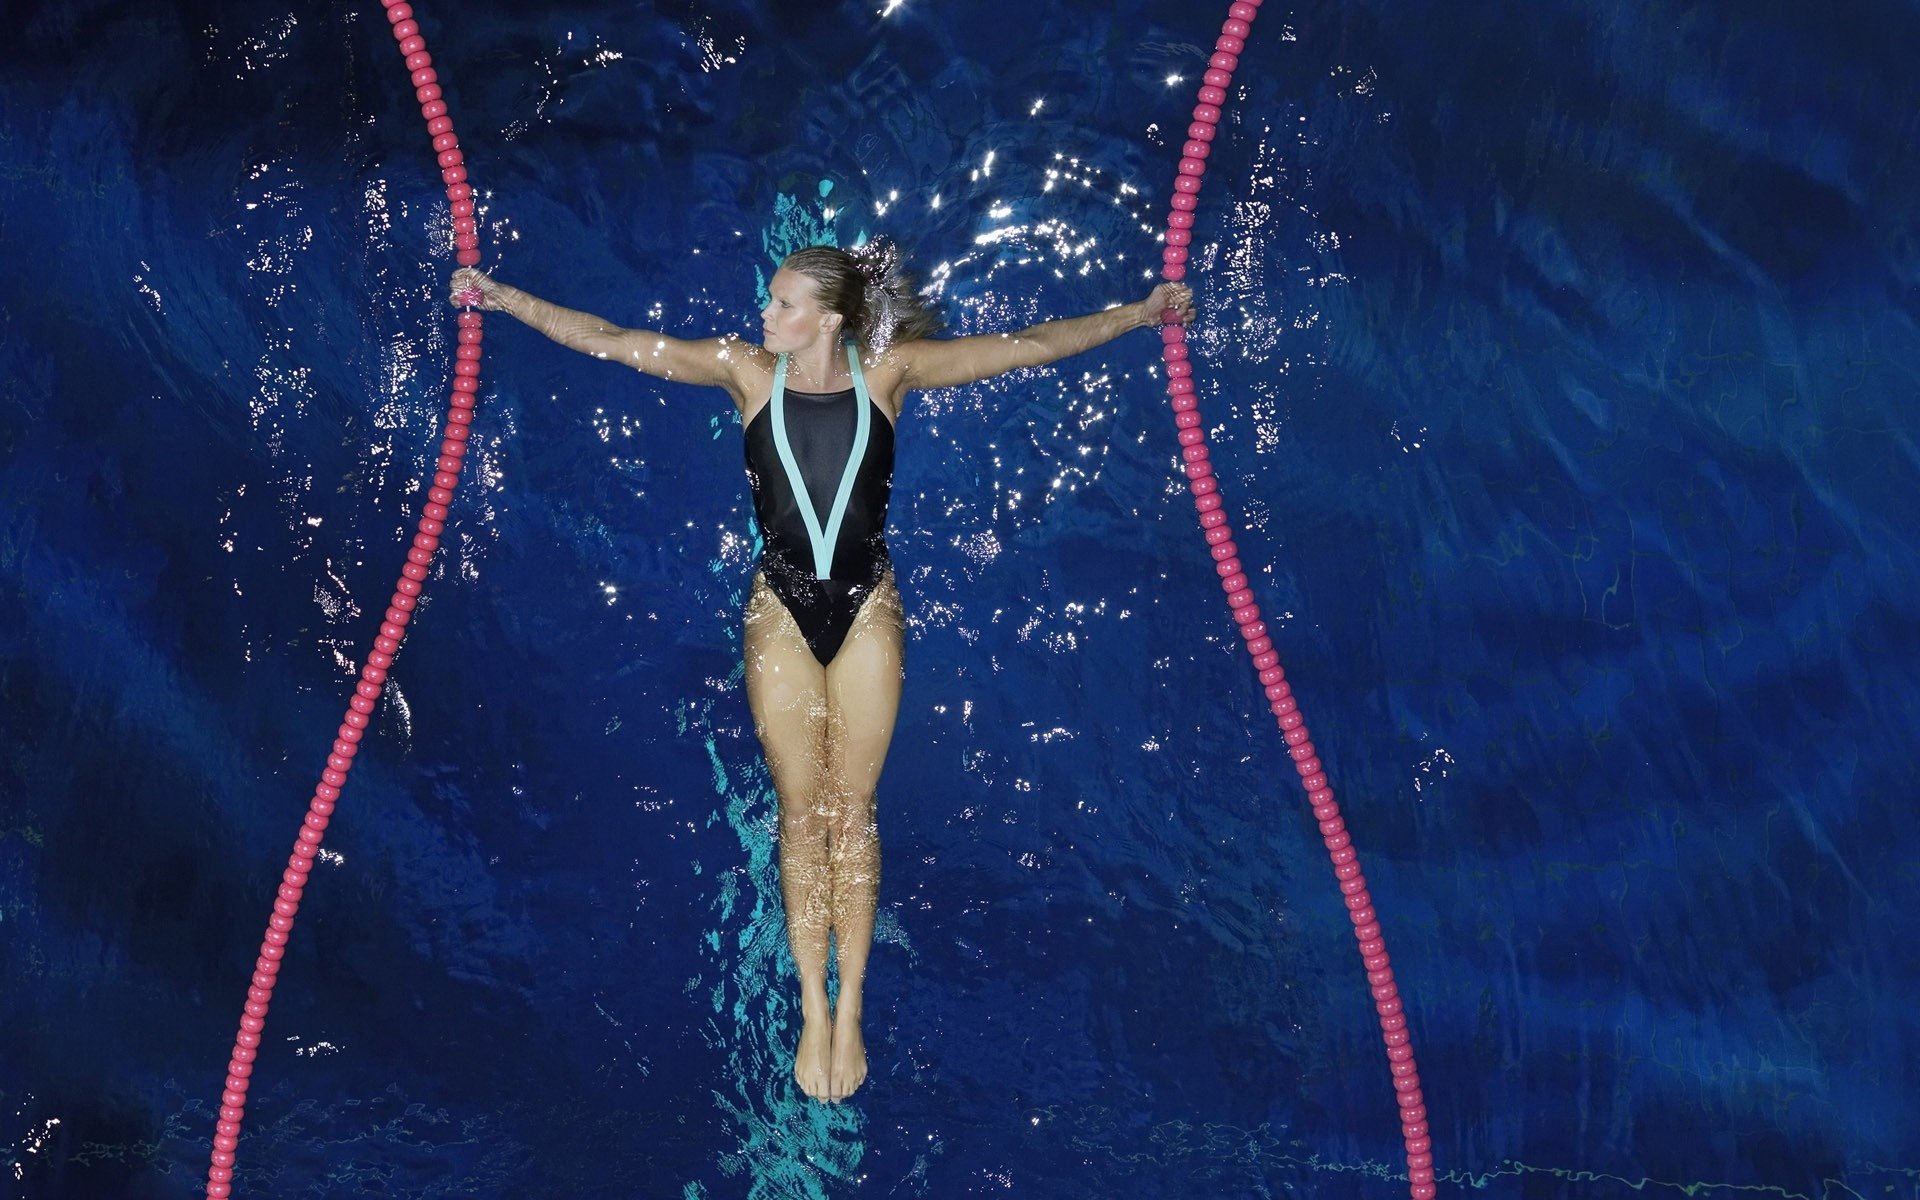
393,625
1387,1004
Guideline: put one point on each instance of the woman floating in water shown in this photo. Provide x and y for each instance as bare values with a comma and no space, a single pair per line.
844,339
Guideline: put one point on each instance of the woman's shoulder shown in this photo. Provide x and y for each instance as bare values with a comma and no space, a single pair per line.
738,349
748,369
886,370
895,358
750,360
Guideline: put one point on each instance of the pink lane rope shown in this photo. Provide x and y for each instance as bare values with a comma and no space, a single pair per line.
393,628
1233,580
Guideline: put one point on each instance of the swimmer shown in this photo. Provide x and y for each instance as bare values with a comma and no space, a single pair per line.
844,338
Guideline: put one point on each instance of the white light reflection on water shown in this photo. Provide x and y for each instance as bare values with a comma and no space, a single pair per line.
148,290
30,1143
387,403
254,51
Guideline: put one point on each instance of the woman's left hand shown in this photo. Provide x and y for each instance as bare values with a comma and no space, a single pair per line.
1175,296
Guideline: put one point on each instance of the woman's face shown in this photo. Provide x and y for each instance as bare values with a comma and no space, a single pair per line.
793,319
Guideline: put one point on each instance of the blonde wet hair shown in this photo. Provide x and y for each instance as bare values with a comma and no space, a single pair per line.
869,290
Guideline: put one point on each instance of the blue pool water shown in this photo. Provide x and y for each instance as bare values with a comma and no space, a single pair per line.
1560,364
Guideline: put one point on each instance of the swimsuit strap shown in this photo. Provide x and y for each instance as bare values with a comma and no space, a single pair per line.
823,539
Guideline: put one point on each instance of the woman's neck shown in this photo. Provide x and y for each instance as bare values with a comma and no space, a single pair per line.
817,363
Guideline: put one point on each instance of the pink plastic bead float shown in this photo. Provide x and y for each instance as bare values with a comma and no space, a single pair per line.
1389,1007
393,623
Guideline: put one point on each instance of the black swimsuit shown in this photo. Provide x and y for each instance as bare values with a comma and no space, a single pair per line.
821,468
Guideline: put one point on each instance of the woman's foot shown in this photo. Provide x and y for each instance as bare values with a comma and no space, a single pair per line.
812,1061
849,1066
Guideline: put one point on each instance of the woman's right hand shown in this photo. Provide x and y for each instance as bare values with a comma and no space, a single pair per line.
471,288
1175,296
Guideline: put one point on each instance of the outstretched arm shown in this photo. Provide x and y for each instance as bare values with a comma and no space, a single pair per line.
948,362
709,362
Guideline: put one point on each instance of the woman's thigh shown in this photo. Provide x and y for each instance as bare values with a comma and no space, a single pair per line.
863,690
787,692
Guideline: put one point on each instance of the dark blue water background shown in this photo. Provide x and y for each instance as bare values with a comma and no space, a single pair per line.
1561,364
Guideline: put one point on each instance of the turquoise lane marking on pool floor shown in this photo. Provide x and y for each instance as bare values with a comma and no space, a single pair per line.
788,1147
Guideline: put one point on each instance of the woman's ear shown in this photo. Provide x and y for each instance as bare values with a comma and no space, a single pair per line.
830,323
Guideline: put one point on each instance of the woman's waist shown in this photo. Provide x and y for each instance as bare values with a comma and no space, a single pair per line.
855,561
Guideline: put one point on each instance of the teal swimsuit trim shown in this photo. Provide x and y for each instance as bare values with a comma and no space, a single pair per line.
824,539
821,469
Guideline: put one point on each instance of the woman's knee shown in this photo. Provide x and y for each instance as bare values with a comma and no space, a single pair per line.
853,817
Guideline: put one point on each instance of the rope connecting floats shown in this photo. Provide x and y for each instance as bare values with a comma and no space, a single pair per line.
393,626
1414,1128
